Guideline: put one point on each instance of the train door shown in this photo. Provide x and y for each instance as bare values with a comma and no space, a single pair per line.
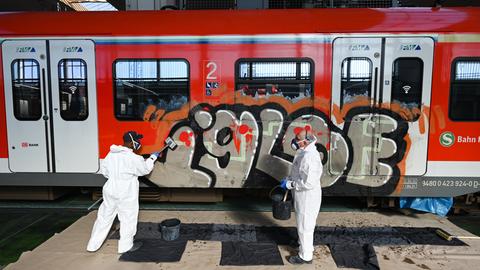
373,73
407,86
74,105
25,76
50,105
356,70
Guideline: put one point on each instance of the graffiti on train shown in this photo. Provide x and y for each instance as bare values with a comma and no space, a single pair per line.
249,146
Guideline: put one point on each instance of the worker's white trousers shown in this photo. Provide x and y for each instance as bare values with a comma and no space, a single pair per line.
307,206
127,210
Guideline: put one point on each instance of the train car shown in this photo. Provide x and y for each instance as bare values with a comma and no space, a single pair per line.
392,96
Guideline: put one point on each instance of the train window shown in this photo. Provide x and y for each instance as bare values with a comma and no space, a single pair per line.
72,79
356,80
140,83
407,82
27,104
289,78
465,90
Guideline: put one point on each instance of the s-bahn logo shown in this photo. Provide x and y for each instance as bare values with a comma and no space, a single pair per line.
25,49
72,49
359,47
447,139
410,47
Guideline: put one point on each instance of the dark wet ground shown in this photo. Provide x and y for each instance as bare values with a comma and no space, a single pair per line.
26,224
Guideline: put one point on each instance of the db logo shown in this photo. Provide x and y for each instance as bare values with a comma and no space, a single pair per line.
447,139
24,144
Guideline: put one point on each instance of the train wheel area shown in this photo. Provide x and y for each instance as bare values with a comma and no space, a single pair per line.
53,233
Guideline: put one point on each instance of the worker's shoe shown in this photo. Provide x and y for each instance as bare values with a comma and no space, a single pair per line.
297,260
136,246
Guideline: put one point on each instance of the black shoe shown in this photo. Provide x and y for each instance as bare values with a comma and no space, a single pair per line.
136,246
297,260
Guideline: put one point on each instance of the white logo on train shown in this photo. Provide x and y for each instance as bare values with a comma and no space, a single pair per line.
410,47
359,47
25,49
72,49
447,138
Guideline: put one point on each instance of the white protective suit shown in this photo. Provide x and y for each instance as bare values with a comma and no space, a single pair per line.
121,167
307,195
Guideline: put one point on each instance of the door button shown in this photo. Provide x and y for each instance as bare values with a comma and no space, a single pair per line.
45,117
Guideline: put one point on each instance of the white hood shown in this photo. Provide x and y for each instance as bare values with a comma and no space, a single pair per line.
311,146
119,148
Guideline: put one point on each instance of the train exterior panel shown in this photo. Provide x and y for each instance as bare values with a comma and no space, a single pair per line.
392,95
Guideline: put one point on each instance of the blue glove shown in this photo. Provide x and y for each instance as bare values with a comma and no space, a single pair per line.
283,184
156,154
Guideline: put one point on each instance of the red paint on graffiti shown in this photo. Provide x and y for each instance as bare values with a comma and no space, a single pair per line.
185,138
243,129
249,138
297,130
236,140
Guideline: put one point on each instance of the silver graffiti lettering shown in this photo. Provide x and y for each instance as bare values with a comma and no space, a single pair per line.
276,167
363,151
231,141
365,133
177,171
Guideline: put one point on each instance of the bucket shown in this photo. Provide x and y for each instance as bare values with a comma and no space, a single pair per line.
170,229
281,207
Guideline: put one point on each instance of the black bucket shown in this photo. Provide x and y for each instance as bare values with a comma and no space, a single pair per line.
170,229
281,209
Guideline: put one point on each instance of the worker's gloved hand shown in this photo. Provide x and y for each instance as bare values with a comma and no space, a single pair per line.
283,184
286,184
156,154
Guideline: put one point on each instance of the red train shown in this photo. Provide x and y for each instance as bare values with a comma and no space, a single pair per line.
392,95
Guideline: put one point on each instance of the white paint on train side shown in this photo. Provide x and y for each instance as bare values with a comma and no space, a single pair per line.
453,168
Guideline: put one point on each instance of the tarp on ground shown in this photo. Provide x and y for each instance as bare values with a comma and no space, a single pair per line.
439,206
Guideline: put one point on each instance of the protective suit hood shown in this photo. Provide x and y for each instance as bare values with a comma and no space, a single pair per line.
119,148
311,146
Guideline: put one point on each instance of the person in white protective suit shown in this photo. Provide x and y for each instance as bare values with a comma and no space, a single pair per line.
304,181
122,167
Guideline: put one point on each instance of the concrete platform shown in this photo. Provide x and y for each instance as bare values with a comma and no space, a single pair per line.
67,249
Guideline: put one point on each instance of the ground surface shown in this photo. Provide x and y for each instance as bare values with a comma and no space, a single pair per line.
67,249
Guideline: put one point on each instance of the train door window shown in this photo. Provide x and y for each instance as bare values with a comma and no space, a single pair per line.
407,82
356,80
73,89
465,90
140,83
27,103
289,78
